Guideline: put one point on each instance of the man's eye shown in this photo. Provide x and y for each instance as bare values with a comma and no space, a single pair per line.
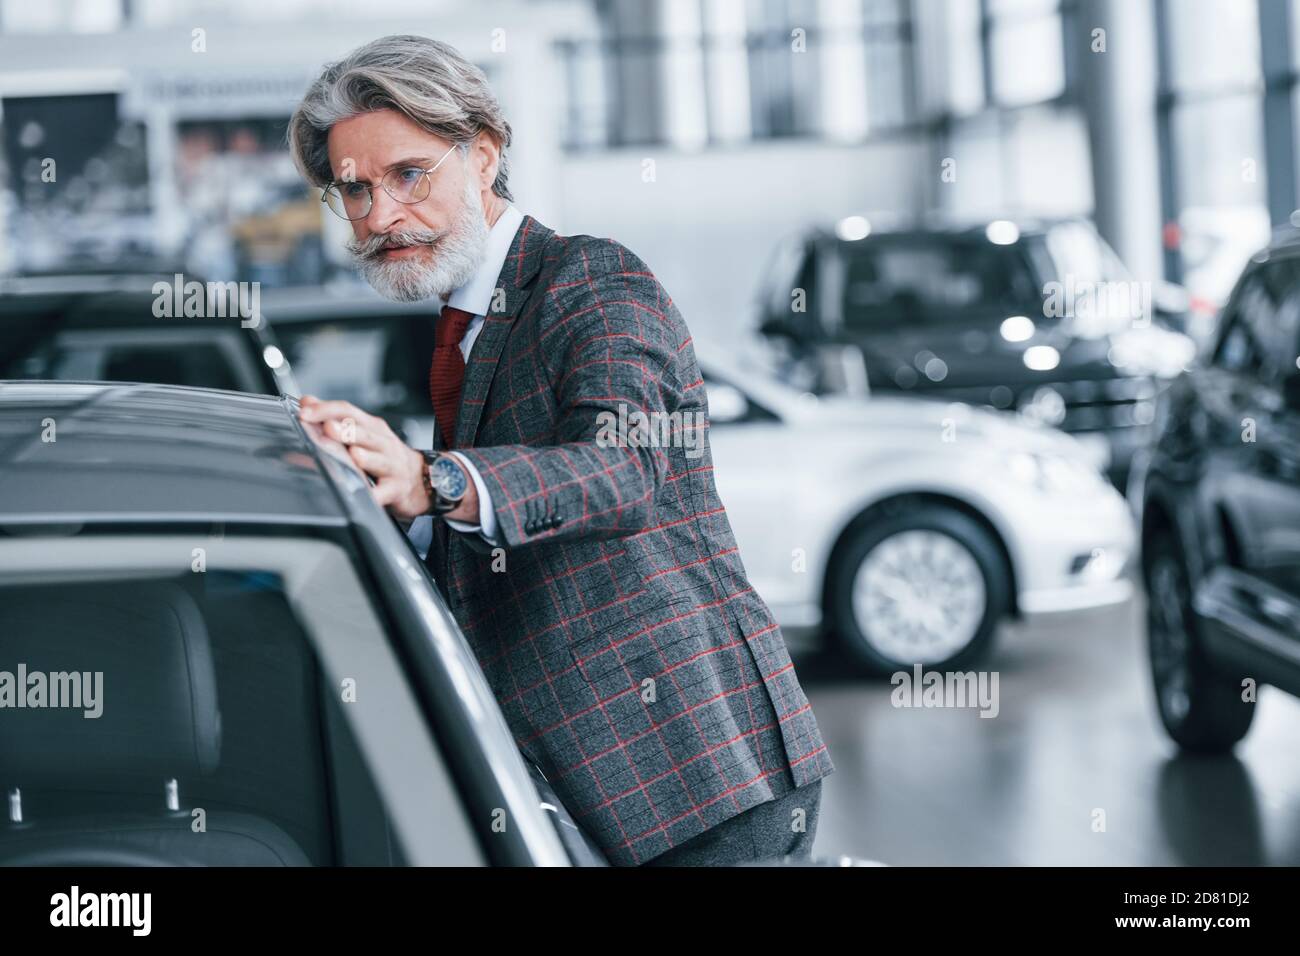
352,190
410,174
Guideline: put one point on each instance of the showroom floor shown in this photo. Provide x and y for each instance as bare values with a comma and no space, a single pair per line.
1076,732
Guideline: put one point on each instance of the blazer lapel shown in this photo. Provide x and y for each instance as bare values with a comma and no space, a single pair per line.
513,287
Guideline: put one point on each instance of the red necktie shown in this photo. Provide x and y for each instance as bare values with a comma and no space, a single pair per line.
448,369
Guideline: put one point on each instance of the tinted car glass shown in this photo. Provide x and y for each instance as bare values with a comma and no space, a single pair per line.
1077,251
118,338
1262,323
200,364
380,364
1276,318
1239,350
903,282
208,679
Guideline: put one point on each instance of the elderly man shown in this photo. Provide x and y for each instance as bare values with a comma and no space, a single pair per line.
592,568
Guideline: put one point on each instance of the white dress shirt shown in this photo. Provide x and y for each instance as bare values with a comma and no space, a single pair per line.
475,297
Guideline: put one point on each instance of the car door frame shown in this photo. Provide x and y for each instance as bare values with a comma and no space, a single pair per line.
457,700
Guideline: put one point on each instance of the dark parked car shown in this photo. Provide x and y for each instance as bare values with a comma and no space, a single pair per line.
1040,318
107,327
349,344
1220,500
241,659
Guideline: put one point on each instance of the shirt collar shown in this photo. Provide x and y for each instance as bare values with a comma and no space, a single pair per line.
475,296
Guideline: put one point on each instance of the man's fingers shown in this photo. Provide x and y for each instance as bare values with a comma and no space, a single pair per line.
352,431
318,411
372,462
344,422
386,491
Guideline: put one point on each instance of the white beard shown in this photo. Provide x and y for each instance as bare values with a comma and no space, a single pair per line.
440,268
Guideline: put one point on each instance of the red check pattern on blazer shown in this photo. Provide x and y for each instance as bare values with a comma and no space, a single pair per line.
634,663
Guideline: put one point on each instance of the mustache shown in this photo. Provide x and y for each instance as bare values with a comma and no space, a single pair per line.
373,246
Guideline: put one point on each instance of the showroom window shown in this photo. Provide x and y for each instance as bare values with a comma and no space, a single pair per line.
1002,80
1211,123
693,73
983,55
1023,51
54,16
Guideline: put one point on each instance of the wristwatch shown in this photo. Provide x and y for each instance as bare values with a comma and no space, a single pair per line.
444,480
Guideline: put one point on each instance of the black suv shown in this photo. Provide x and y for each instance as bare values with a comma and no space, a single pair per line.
108,327
1041,318
1220,500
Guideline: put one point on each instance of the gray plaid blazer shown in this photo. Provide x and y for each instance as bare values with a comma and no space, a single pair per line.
634,663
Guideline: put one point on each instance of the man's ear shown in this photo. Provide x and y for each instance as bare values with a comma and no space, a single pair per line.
485,156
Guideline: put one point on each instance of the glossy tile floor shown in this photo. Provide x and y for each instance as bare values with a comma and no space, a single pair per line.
1076,732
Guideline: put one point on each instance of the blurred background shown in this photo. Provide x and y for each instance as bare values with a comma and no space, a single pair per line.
1179,138
953,253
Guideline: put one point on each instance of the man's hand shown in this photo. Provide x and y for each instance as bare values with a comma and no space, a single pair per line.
397,468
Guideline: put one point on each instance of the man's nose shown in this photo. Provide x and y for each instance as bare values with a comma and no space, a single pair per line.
386,213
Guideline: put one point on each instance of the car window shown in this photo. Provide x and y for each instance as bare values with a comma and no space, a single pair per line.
379,365
201,355
207,679
1239,351
1078,253
899,283
199,364
790,267
1262,323
1278,327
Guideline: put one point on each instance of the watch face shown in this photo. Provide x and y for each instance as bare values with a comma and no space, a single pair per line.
448,478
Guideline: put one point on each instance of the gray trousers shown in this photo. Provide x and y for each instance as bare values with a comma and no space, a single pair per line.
768,831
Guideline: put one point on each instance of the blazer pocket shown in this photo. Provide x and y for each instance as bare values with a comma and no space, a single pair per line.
622,616
621,656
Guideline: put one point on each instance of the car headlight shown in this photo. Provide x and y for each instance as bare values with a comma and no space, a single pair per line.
1054,474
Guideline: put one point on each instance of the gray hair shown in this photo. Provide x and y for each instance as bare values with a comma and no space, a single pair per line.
425,80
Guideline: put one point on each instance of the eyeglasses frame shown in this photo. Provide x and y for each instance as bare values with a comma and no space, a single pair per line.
324,196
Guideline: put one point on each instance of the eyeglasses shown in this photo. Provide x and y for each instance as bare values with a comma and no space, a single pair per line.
406,184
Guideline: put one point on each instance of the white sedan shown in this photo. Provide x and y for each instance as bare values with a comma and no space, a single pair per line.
908,528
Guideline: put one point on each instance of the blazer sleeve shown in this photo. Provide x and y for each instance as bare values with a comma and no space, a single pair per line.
609,340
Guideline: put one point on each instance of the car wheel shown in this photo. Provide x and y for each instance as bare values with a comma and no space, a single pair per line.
1200,708
924,586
